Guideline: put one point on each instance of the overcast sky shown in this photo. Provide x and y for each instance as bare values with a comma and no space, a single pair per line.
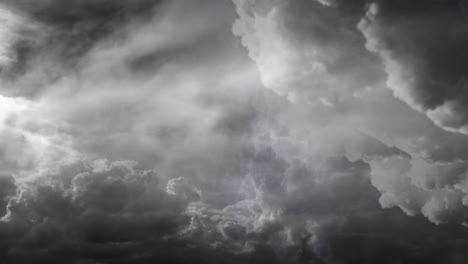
234,131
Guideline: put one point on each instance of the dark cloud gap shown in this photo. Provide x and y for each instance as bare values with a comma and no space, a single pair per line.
427,40
442,69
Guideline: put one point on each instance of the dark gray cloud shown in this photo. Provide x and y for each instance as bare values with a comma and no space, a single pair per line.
422,44
58,33
85,208
111,212
141,132
281,39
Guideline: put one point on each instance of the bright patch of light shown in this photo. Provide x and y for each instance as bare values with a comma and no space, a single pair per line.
10,107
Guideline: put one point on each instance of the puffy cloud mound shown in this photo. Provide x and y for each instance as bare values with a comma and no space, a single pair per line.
414,164
113,212
86,210
306,50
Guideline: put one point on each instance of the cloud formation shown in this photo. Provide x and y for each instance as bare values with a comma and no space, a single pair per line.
142,132
305,49
424,59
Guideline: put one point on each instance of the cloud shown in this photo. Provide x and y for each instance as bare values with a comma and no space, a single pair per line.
141,132
10,22
418,187
415,165
86,207
57,34
423,59
297,53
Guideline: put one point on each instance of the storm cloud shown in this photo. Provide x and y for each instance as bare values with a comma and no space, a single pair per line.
424,59
208,131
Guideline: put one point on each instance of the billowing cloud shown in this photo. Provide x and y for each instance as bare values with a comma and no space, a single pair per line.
423,168
142,132
85,208
424,53
305,50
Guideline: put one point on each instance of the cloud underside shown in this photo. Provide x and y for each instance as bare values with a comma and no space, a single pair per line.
233,131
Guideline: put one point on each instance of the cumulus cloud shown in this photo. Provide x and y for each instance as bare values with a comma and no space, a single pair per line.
305,49
86,207
141,132
433,158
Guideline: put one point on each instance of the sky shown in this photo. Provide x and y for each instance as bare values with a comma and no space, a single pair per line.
234,131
